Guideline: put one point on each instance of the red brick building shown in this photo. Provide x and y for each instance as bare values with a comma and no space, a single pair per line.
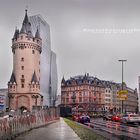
84,93
88,93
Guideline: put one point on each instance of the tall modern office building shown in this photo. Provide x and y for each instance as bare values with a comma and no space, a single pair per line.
48,67
139,93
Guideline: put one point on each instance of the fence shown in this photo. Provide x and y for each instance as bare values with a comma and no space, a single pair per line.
12,126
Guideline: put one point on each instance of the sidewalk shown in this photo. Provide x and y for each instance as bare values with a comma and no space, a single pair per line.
55,131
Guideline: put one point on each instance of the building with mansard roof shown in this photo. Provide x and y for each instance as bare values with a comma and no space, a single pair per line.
84,92
89,93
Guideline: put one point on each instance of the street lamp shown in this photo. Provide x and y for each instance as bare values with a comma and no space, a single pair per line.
73,97
122,78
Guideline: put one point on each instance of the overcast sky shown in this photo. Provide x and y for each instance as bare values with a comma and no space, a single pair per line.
85,34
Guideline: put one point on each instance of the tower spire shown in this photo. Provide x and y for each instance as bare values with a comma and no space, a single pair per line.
63,80
37,34
26,17
26,26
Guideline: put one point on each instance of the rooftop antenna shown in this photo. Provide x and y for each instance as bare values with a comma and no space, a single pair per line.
27,3
38,24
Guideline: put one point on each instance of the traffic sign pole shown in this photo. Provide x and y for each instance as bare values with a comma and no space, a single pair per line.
122,79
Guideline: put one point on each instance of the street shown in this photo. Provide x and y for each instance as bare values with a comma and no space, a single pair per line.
116,128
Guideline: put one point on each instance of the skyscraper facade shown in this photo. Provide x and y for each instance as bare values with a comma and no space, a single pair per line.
48,66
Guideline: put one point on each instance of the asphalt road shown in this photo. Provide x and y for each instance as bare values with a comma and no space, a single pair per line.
117,128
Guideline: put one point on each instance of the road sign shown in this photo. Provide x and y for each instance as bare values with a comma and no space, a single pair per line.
122,92
122,96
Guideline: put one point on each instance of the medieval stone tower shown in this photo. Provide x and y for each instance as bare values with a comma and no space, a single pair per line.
24,84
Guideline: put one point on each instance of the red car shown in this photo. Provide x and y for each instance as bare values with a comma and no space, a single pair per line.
116,118
76,118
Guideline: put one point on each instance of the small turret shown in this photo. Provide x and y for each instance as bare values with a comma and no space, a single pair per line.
37,34
63,80
85,76
16,34
12,79
34,78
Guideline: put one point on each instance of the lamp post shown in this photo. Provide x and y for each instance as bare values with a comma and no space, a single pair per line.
73,97
122,78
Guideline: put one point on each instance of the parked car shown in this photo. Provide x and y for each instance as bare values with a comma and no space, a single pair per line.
84,119
116,118
131,118
107,117
76,118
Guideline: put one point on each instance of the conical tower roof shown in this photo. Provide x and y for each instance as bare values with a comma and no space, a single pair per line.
37,34
26,26
23,29
26,20
63,80
34,78
16,34
12,79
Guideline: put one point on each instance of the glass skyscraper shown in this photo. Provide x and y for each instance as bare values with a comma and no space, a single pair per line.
48,67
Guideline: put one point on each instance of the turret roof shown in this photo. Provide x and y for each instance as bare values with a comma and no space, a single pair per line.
12,79
37,34
34,78
16,34
26,26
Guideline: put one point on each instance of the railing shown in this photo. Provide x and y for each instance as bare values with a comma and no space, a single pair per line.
12,126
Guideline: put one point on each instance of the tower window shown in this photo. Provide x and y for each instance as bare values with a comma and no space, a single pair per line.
22,67
33,52
22,85
22,76
22,59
